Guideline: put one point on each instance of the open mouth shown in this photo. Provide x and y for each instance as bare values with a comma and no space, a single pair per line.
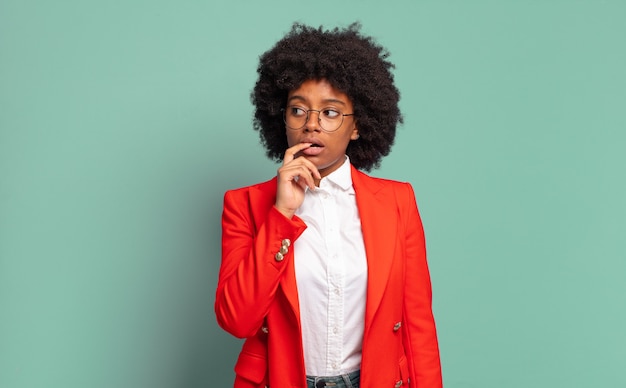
313,150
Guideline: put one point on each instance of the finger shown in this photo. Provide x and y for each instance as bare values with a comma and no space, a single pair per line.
303,183
298,173
312,167
291,152
303,160
306,178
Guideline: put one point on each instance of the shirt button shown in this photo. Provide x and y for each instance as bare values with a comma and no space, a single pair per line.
336,291
335,330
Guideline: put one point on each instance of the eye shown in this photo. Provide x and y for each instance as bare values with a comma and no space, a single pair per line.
331,113
296,111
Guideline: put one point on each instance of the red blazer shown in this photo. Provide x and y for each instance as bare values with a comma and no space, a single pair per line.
257,297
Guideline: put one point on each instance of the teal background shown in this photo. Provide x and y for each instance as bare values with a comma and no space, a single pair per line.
122,123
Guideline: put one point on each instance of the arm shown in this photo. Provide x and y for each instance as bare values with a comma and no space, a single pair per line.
420,336
249,272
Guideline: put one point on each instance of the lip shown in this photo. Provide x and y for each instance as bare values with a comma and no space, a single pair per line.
312,151
313,141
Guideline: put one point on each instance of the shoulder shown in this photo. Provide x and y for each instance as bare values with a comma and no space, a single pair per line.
260,196
389,191
267,186
360,178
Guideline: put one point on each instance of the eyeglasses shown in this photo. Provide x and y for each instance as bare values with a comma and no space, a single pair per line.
329,119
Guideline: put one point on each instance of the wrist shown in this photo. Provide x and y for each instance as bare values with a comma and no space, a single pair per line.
289,213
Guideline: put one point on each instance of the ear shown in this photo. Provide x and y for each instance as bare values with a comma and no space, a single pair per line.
355,133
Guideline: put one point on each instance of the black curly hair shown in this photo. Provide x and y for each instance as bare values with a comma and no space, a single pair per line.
353,63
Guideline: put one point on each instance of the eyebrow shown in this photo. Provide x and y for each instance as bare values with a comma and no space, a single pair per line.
326,101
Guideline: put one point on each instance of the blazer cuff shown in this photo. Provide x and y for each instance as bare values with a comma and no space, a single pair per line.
285,231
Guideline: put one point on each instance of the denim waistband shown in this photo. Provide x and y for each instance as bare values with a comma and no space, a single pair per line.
348,380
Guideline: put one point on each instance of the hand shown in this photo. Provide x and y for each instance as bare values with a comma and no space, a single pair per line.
293,177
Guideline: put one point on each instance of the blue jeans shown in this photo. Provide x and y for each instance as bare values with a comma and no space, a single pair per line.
350,380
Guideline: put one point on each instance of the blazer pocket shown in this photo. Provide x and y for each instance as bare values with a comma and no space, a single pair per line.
252,367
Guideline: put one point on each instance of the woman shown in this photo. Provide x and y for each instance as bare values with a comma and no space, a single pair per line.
324,268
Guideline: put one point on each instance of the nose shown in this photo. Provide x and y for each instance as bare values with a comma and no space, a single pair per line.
312,121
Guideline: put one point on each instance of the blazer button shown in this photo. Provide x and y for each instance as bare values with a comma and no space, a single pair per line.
279,256
284,250
286,242
265,330
398,384
397,326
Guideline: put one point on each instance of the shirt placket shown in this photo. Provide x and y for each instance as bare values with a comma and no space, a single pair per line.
335,279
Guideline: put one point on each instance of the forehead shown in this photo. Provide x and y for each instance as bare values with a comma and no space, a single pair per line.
318,91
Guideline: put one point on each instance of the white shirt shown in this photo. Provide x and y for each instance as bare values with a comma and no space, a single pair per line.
331,274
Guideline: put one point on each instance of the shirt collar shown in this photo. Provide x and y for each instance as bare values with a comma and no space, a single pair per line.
341,177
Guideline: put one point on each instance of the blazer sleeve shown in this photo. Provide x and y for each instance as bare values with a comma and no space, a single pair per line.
420,336
249,272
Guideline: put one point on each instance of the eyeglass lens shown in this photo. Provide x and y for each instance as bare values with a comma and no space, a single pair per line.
329,119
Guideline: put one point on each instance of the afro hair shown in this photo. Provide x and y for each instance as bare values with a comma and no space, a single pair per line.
352,63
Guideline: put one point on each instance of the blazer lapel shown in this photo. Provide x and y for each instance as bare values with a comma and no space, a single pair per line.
376,205
262,198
